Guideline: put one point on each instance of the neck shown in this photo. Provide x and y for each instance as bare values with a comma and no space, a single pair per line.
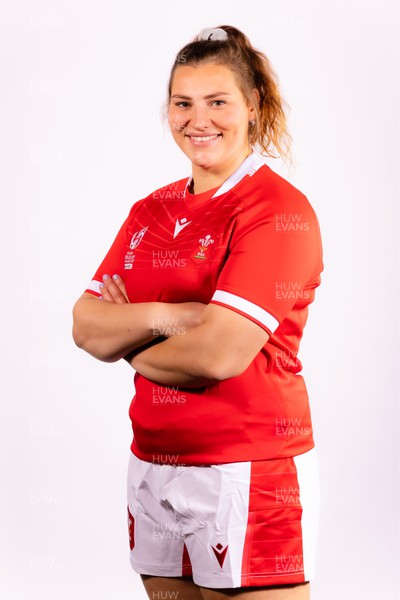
208,179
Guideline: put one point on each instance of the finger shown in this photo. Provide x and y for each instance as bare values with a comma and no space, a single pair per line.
112,291
120,283
120,294
105,293
106,289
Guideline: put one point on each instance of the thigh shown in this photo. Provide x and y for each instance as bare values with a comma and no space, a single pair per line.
299,591
181,588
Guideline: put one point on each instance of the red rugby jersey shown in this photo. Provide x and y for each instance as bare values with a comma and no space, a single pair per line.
252,245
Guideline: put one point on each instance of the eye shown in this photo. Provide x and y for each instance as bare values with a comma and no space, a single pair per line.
221,102
182,103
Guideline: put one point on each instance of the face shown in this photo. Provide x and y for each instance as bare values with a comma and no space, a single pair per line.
208,115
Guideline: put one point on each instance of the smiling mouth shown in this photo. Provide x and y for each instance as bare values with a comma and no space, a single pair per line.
204,138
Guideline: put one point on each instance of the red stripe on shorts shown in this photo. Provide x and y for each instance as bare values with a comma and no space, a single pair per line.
186,564
273,550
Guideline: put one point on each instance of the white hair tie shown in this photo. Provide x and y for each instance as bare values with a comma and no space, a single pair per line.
212,34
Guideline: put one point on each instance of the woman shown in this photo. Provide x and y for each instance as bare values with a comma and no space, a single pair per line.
205,292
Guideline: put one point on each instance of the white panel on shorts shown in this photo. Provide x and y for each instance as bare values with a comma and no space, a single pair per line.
205,507
212,505
158,541
307,477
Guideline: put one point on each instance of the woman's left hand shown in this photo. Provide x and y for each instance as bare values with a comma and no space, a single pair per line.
113,290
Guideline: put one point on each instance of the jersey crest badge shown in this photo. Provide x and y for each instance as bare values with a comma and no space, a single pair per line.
204,248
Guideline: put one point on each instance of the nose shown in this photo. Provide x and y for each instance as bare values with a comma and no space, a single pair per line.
199,118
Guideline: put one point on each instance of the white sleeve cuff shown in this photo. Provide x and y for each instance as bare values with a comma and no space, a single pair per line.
247,307
94,286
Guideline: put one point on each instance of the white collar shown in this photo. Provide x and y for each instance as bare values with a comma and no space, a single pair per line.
248,167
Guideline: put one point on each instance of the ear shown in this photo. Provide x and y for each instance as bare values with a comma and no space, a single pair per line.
256,95
252,112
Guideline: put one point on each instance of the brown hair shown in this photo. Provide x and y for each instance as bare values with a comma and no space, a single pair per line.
253,70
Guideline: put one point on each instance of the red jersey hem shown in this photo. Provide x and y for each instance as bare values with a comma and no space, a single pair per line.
235,455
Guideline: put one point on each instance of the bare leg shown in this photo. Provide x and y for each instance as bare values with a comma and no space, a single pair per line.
171,588
288,592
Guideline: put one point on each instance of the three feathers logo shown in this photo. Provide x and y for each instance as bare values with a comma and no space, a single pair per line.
204,244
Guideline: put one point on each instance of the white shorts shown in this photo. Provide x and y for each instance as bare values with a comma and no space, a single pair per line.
240,524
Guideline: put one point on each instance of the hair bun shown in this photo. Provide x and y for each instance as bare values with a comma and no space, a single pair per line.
213,34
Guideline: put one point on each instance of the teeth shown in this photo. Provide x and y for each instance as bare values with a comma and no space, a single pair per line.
203,139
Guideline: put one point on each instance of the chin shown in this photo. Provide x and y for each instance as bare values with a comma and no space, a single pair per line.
204,158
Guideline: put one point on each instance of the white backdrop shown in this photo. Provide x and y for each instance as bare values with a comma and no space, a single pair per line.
81,140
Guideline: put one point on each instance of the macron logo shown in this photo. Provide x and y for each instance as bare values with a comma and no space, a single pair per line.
180,224
220,553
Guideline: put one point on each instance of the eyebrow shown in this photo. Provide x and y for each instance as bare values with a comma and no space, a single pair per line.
206,97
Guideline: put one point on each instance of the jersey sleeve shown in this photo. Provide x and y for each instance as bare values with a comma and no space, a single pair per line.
274,264
115,256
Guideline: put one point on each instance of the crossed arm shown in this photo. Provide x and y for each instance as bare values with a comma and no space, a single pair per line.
202,344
